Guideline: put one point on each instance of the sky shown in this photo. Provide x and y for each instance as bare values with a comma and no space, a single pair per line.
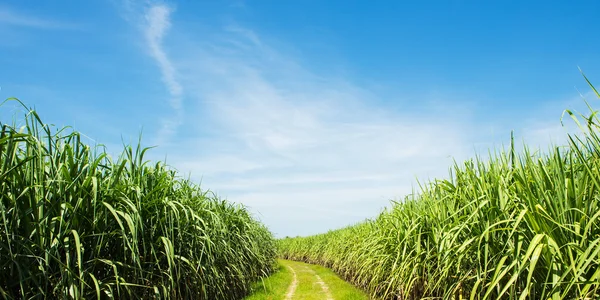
313,114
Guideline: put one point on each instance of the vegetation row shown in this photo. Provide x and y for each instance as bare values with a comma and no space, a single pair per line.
74,223
515,226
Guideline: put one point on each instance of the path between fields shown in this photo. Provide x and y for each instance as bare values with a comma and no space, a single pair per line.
300,281
323,285
317,279
292,289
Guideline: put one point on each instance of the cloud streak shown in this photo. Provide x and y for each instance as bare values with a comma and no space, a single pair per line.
307,152
14,18
157,24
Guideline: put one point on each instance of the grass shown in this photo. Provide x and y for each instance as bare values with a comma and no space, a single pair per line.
276,286
339,288
517,226
74,223
273,287
308,288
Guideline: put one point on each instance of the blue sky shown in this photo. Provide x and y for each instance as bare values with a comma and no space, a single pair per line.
313,113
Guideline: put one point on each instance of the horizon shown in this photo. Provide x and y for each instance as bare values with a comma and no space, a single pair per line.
313,115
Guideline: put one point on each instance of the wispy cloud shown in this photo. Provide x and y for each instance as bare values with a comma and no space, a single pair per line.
549,131
299,147
12,17
308,152
157,26
154,25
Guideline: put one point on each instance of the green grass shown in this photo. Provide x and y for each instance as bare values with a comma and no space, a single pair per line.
517,226
339,288
276,286
308,288
75,223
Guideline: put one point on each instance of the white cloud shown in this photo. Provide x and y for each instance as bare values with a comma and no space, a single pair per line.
306,152
544,128
157,24
12,17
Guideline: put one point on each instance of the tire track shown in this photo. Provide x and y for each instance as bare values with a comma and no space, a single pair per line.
292,288
323,285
